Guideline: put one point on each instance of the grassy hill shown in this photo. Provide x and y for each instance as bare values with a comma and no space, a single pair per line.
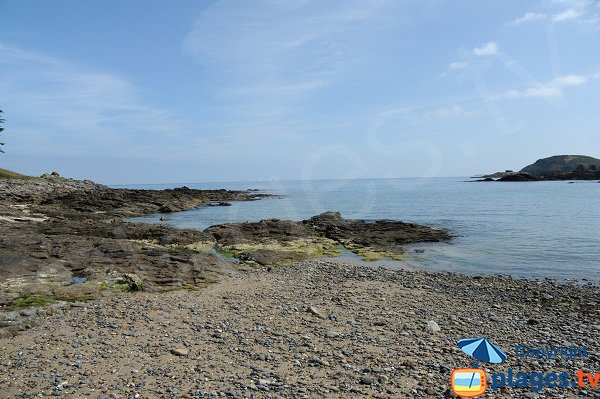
7,174
561,164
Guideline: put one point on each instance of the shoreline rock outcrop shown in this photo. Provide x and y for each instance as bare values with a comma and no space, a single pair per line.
59,232
273,241
558,167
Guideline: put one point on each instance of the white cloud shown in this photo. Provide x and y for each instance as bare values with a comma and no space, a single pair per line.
583,11
569,80
486,49
451,111
281,54
66,107
544,91
552,89
529,17
458,65
511,94
452,67
567,15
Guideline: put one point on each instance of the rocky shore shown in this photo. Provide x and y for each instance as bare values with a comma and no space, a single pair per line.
69,240
279,242
65,239
93,306
312,330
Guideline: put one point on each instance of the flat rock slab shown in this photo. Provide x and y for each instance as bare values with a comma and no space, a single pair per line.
270,241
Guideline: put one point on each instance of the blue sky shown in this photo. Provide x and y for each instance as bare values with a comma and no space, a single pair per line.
145,91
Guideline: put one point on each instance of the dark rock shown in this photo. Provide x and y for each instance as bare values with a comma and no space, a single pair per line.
166,209
218,203
520,177
326,230
366,380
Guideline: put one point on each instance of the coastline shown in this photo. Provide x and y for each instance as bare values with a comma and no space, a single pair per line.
315,329
71,240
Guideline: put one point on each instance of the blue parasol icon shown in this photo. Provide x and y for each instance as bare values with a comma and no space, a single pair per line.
482,349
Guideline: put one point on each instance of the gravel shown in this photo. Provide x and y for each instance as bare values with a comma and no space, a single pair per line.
312,330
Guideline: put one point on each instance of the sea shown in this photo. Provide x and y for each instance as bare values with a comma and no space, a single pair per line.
536,230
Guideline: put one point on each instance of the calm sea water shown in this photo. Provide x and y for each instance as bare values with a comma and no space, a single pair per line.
534,230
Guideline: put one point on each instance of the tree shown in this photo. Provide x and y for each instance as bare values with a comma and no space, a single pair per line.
593,167
580,168
1,129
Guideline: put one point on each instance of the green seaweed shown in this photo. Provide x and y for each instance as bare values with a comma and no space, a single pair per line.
370,254
28,301
312,247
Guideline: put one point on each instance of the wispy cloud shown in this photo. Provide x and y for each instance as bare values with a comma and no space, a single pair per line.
567,15
458,65
552,89
280,54
529,17
559,11
454,67
69,108
451,111
555,87
487,49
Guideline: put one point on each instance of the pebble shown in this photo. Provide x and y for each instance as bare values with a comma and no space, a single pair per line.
433,327
255,336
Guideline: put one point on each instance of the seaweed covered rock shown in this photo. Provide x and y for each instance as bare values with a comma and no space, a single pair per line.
276,241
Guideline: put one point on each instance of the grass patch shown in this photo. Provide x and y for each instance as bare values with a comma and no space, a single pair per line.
7,174
111,285
37,301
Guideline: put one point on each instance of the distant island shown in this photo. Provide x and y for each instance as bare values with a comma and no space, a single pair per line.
557,167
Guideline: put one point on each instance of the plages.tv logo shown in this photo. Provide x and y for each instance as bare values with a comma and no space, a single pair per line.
471,382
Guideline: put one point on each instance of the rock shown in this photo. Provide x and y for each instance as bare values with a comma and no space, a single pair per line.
279,242
218,203
519,177
180,351
133,281
366,380
28,312
316,312
449,394
166,209
433,327
7,298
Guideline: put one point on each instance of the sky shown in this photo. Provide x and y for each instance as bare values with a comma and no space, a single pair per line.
145,91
